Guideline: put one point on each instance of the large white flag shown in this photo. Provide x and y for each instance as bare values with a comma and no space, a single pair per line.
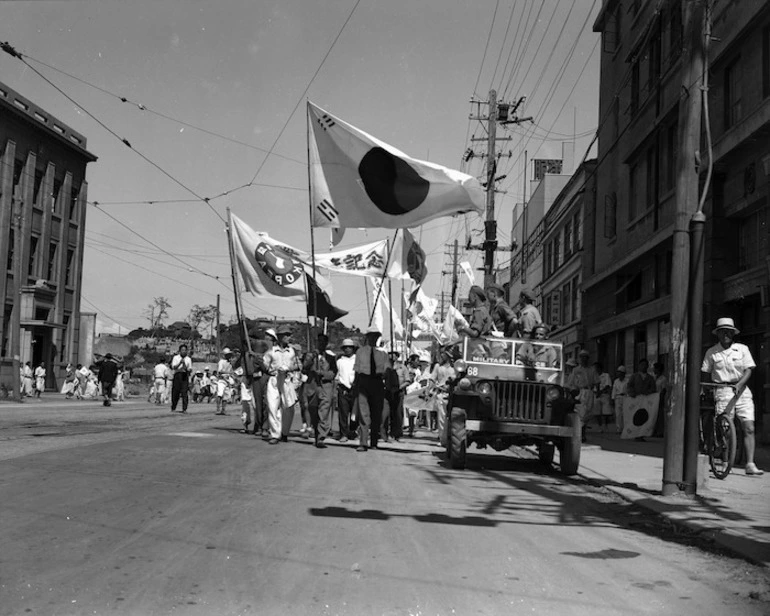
269,267
423,308
356,180
364,260
383,313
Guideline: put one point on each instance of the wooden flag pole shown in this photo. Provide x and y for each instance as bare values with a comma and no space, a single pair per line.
390,299
245,341
312,229
384,276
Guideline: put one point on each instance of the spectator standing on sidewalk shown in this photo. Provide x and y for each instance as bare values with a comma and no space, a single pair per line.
224,372
160,376
730,364
439,379
39,380
641,382
582,382
181,365
661,386
27,380
396,381
619,388
346,376
370,366
603,391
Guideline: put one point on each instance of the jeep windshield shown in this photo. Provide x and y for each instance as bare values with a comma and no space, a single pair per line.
513,359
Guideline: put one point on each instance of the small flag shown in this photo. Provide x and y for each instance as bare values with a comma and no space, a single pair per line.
639,415
356,180
466,267
407,259
321,306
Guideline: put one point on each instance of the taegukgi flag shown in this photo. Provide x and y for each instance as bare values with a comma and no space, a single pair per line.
639,415
407,258
358,181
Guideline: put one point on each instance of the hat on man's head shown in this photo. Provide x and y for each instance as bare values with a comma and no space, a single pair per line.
584,353
621,369
725,323
271,332
108,356
496,287
479,291
373,329
570,362
227,351
528,294
284,329
239,371
348,342
207,368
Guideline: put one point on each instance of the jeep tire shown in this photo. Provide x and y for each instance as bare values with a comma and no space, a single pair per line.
569,450
456,443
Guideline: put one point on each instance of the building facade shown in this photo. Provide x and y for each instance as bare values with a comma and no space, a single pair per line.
627,300
563,248
43,192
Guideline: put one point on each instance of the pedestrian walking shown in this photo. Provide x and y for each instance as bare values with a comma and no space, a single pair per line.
370,366
160,376
108,374
248,410
603,396
28,380
439,379
283,367
397,378
346,393
321,369
223,373
181,365
661,386
730,364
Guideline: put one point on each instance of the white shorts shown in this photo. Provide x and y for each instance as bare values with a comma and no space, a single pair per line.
221,387
744,407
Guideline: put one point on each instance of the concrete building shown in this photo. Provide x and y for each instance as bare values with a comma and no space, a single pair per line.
627,299
563,263
42,179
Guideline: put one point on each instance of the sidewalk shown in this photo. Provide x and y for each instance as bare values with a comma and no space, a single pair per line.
734,513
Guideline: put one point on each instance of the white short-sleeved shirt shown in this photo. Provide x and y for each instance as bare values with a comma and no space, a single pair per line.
727,365
346,372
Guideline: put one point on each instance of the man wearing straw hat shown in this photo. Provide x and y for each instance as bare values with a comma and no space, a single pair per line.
281,363
730,364
346,375
370,366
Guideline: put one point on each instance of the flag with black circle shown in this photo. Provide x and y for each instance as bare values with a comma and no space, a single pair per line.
639,415
358,181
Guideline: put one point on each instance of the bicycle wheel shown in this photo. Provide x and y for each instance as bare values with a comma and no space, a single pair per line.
723,444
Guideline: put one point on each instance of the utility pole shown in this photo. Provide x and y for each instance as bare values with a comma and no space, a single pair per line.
18,266
688,142
503,113
453,273
219,342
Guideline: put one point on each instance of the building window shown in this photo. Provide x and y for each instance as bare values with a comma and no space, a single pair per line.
634,87
634,186
610,215
753,240
615,119
51,272
567,240
548,258
675,32
766,62
70,263
11,248
33,242
74,203
556,251
669,157
733,93
6,328
575,298
651,185
55,195
611,33
554,314
36,190
576,231
566,296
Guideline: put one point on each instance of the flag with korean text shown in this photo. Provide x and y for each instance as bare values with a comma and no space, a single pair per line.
358,181
365,260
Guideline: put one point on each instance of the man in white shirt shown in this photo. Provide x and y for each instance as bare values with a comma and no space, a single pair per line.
181,366
619,386
282,364
730,364
346,395
224,372
160,375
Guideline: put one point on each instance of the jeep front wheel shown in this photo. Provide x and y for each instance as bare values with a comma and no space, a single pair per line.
456,444
569,450
545,453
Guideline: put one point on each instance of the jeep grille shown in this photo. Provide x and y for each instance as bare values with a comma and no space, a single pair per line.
521,401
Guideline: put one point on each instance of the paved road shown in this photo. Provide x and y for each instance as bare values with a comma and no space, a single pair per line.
136,511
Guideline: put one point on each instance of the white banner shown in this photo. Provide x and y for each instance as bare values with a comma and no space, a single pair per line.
639,415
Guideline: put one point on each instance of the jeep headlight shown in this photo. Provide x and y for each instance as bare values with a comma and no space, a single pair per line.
460,366
465,383
552,393
484,388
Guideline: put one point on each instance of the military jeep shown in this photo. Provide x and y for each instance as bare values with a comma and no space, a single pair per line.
511,392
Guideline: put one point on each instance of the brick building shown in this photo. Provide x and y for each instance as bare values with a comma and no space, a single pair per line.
42,177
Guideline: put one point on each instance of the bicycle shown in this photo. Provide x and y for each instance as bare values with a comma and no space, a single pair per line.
719,436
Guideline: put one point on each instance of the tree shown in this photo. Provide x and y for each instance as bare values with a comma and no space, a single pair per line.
156,313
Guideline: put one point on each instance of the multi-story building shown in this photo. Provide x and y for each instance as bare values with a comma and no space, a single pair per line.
42,185
563,249
627,300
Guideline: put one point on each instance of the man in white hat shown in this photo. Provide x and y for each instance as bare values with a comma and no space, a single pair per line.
346,375
282,365
730,364
370,366
619,388
224,372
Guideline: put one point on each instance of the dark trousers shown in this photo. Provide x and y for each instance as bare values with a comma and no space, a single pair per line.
392,415
259,388
370,398
345,401
179,388
319,404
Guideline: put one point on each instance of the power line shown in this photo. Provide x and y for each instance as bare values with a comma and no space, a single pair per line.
486,47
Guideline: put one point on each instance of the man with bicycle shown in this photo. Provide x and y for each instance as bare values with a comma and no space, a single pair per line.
730,363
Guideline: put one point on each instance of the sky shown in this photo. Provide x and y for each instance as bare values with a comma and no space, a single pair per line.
232,78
